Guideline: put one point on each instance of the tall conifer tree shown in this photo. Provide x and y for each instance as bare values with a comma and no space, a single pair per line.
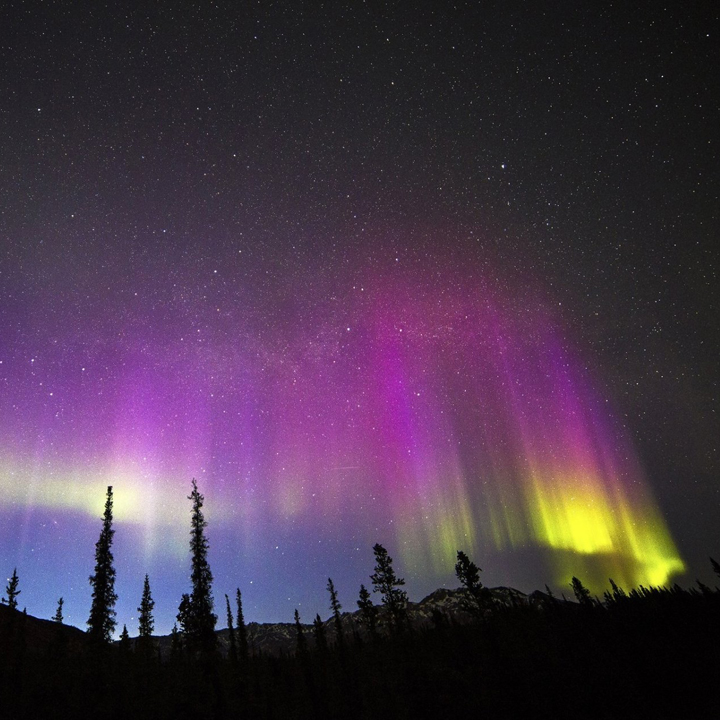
387,583
101,622
618,593
468,573
146,622
336,607
301,641
320,634
58,616
195,614
715,567
241,629
125,640
231,632
582,594
176,647
12,591
368,611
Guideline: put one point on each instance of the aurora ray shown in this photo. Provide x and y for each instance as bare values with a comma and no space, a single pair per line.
428,411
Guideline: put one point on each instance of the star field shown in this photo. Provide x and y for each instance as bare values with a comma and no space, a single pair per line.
439,277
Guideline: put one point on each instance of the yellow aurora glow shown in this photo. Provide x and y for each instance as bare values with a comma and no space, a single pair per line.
585,516
589,528
155,509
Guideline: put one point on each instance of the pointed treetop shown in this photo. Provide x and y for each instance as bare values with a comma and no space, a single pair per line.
715,567
195,614
301,642
388,584
58,617
12,591
468,573
101,623
146,622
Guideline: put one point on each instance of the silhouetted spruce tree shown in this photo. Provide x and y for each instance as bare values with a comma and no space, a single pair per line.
233,655
582,594
12,591
58,616
368,611
320,634
184,615
715,567
241,629
336,607
125,639
195,615
301,641
468,573
101,622
146,622
175,642
387,584
617,592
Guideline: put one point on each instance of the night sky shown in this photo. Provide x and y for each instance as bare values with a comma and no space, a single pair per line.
436,275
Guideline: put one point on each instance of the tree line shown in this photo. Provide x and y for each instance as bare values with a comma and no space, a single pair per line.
196,619
637,653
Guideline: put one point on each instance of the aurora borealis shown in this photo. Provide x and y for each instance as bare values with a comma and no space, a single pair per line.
442,309
425,407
